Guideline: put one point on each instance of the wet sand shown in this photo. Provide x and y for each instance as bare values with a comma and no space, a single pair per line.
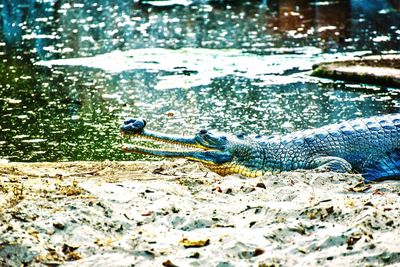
176,213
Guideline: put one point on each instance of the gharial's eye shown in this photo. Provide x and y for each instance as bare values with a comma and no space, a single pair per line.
203,131
240,135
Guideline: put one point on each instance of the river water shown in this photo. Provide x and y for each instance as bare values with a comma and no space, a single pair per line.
72,71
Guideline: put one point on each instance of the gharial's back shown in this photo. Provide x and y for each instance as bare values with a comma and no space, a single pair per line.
363,143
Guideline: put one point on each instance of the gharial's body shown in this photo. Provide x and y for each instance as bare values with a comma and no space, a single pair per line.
368,146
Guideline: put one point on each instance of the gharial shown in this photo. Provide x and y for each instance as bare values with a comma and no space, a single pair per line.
370,146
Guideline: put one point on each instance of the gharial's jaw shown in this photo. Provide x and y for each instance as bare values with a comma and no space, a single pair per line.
176,151
147,142
233,168
164,145
220,162
206,147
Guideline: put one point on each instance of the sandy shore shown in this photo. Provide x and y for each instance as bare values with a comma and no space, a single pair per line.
176,213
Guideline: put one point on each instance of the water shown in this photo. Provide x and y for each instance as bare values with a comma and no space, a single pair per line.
254,79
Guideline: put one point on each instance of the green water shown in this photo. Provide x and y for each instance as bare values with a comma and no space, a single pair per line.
237,68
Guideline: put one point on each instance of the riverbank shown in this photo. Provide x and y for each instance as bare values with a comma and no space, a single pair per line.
379,70
176,213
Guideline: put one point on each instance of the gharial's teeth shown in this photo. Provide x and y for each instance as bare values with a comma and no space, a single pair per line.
151,143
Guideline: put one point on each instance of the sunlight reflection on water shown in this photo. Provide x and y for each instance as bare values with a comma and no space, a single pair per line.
229,66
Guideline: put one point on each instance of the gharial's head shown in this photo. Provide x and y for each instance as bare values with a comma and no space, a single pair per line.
221,153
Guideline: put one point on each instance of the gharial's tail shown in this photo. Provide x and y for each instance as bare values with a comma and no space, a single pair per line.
386,168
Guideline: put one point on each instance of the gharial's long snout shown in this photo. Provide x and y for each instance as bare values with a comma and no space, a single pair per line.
202,147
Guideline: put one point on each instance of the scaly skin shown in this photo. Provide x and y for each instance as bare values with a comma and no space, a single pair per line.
369,146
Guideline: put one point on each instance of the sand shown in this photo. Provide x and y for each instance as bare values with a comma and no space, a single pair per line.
177,213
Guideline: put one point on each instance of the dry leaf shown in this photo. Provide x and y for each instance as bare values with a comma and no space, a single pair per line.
360,187
194,243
